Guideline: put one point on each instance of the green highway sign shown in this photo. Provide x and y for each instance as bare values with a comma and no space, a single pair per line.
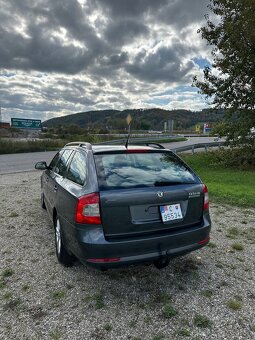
21,123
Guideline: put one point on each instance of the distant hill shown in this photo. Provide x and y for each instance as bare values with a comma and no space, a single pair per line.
143,119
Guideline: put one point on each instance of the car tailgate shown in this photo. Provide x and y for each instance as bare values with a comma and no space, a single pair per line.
133,212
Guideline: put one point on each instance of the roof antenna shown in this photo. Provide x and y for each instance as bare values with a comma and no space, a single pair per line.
129,120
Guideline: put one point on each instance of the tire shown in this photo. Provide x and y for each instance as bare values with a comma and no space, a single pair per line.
62,255
42,201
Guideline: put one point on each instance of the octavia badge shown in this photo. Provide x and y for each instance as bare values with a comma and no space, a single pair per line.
160,194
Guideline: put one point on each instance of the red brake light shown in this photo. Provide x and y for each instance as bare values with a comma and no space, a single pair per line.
206,197
137,151
88,209
204,241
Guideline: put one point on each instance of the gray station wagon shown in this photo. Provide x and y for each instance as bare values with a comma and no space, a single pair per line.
115,205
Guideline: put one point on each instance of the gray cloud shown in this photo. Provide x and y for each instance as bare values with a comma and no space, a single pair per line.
95,53
130,8
162,65
124,31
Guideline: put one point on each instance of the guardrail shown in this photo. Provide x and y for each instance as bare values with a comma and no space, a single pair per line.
193,147
139,139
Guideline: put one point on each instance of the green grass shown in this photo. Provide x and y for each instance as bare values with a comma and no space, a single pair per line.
237,246
202,321
7,272
58,294
184,332
169,311
55,334
232,232
7,147
226,185
10,146
234,304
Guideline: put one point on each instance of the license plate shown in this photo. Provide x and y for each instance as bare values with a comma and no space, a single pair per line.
171,212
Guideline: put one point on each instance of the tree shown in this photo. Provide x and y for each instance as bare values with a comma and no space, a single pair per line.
229,83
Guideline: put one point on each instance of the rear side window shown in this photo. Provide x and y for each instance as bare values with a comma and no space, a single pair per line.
129,170
77,170
62,164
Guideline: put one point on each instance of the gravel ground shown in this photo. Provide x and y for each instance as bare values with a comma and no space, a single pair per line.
208,294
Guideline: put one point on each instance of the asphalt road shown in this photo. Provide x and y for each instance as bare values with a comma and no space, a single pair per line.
21,162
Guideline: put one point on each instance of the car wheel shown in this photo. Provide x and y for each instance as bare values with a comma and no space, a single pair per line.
63,256
42,201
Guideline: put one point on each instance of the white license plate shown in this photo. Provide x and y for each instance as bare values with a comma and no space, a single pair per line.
171,212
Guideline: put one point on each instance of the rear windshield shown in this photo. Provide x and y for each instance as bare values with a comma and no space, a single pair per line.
130,170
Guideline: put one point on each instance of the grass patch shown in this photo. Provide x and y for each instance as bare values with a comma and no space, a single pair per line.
232,232
59,294
55,335
184,332
7,295
237,246
234,304
7,272
99,301
158,337
25,288
14,215
108,327
169,311
252,328
2,284
211,245
14,146
249,234
12,304
226,184
208,293
162,298
202,321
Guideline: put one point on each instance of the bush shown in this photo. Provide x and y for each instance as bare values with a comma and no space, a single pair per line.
7,146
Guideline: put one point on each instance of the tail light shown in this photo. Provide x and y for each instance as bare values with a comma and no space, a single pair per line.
206,197
88,209
204,241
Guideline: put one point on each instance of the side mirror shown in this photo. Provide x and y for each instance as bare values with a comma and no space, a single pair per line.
41,166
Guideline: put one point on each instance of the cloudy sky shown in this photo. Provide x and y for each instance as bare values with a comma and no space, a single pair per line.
64,56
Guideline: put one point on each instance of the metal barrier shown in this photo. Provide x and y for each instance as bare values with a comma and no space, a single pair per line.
138,140
204,146
192,147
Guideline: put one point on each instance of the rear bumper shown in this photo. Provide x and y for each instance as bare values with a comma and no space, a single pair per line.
92,247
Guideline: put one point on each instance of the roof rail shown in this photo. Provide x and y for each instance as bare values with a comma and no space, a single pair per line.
80,144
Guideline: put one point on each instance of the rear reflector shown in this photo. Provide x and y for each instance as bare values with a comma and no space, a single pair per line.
104,260
88,209
206,197
204,241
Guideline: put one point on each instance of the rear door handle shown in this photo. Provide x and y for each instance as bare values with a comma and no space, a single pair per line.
55,188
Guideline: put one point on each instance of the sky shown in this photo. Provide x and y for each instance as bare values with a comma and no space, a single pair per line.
59,57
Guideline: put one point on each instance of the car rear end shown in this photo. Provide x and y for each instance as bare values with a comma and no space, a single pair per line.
148,206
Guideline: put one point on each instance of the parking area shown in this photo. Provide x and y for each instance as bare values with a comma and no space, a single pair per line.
208,294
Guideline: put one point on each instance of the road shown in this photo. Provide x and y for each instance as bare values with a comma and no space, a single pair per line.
20,162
